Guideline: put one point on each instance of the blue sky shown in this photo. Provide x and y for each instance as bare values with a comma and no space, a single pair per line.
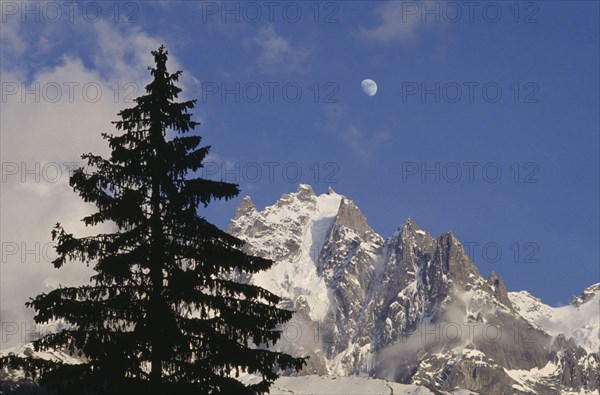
479,93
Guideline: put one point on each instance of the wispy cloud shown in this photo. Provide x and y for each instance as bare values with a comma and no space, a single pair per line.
362,144
335,114
276,53
395,23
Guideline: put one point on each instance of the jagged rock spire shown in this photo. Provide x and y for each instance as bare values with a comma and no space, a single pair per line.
350,216
246,207
305,191
498,289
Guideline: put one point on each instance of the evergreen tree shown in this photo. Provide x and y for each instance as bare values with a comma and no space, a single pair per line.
161,314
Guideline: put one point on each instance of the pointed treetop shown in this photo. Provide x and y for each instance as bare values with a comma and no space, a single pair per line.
160,58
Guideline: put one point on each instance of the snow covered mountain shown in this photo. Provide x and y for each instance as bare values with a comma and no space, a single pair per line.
579,320
411,308
11,380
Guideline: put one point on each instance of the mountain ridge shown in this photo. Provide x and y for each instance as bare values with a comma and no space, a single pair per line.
381,291
411,308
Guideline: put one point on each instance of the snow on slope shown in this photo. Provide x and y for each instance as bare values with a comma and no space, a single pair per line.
342,385
27,350
308,218
527,379
579,320
333,385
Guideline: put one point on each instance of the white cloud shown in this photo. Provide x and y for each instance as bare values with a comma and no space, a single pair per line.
276,53
48,135
395,23
118,53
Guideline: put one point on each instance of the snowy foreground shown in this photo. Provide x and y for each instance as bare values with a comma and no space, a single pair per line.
304,385
332,385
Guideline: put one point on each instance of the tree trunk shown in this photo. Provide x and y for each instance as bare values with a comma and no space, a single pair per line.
156,276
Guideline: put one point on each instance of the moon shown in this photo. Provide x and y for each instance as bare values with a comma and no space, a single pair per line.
369,87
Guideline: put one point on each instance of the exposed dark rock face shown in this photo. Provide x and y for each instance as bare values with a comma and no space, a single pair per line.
578,368
495,285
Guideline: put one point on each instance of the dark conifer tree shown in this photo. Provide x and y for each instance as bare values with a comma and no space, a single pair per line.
161,315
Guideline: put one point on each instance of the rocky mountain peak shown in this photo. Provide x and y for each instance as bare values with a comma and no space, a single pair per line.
419,237
367,296
245,211
304,196
497,288
305,191
410,223
409,227
350,216
588,294
246,207
454,263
